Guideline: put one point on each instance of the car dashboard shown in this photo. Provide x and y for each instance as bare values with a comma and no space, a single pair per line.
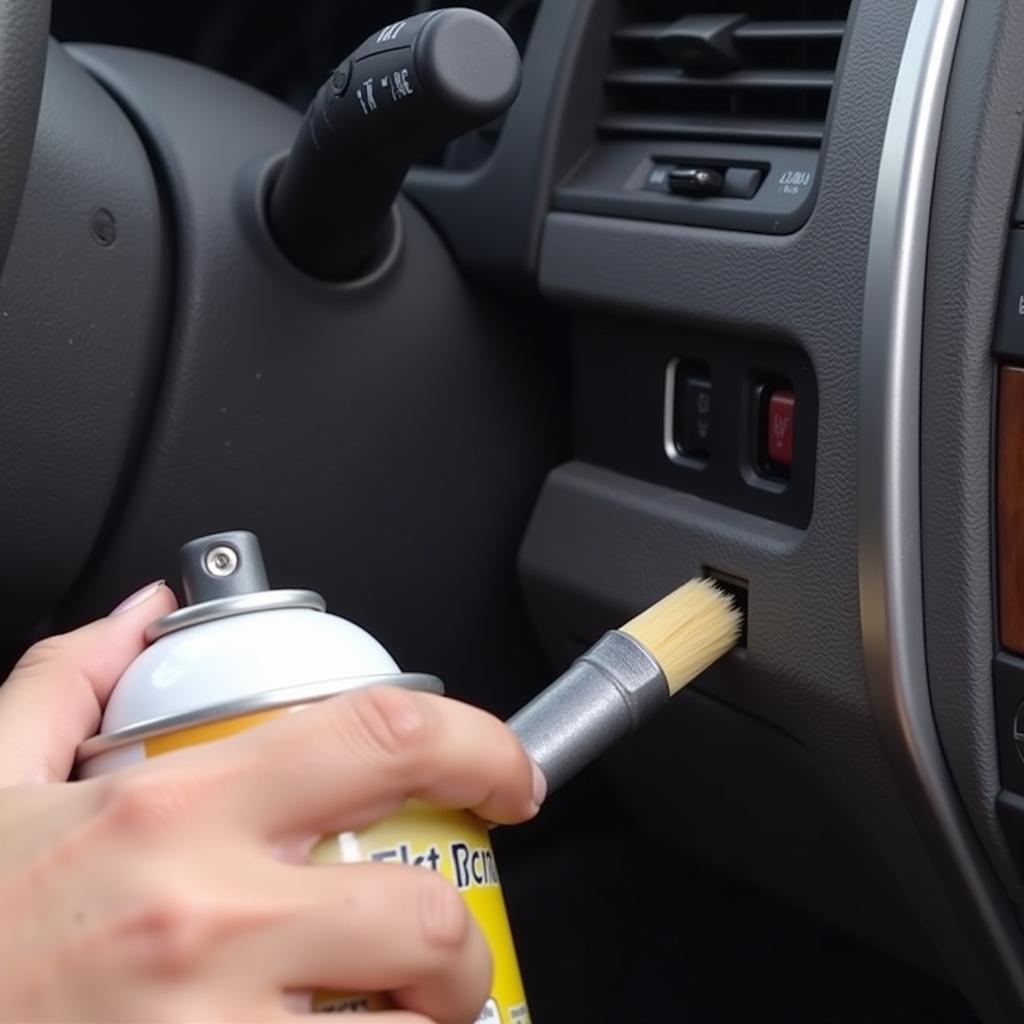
731,290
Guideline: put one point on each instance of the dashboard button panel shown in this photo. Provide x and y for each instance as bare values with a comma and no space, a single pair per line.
691,411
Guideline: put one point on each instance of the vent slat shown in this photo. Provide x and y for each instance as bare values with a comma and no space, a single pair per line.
679,126
790,31
666,78
765,79
750,32
643,32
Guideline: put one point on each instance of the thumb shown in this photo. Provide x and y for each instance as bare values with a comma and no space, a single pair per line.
54,698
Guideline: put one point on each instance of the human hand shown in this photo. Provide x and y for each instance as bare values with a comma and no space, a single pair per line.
177,890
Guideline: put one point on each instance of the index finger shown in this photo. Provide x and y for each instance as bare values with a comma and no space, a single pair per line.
354,759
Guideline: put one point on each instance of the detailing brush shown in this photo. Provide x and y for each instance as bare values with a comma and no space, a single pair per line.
625,677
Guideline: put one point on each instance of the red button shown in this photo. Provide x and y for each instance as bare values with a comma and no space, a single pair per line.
781,410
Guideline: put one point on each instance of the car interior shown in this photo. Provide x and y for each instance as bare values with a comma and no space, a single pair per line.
722,288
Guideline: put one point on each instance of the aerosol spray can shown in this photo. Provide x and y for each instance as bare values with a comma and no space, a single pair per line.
238,653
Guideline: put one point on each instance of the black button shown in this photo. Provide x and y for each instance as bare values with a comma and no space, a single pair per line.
694,181
341,78
741,182
693,416
1009,336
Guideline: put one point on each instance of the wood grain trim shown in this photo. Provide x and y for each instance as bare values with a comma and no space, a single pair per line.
1010,507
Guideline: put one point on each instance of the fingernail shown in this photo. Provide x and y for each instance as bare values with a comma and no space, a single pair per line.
138,597
540,785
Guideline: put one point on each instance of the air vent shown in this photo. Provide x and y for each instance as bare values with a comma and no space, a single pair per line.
748,71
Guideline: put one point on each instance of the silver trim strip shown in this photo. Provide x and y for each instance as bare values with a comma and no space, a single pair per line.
888,479
669,420
287,696
669,416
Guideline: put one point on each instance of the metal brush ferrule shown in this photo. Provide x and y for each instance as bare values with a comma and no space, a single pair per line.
605,694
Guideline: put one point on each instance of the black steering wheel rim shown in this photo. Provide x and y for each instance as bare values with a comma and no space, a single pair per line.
24,34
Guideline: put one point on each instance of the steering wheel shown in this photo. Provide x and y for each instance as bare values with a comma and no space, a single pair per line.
24,31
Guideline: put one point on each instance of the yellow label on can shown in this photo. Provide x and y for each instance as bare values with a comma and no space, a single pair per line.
456,844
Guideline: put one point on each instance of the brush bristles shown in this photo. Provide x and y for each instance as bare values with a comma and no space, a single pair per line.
688,630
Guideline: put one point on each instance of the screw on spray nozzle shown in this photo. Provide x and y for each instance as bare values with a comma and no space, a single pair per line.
222,565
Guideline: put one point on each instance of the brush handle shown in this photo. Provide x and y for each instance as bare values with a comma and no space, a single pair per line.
605,694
